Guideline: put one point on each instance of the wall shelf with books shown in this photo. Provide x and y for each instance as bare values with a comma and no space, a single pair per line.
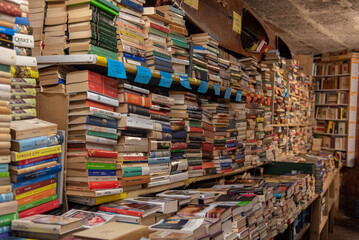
336,84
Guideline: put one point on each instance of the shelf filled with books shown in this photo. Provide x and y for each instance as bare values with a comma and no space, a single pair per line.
335,101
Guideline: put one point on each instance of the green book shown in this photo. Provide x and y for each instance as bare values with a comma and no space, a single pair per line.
195,124
4,174
178,38
178,150
102,134
8,218
36,203
5,68
158,54
157,32
103,52
101,166
131,171
211,49
180,44
102,4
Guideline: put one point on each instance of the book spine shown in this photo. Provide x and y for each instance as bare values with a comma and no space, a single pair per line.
37,196
134,99
33,186
102,99
40,209
107,192
92,172
100,166
36,174
5,229
6,219
35,191
101,122
105,112
131,171
5,189
134,57
6,197
18,156
39,142
8,8
36,203
23,40
103,185
100,140
7,31
35,164
132,5
138,110
32,168
103,134
38,159
101,153
120,211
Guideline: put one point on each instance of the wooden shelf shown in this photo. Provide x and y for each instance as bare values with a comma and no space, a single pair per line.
331,90
302,232
334,105
323,221
331,134
331,119
334,149
335,75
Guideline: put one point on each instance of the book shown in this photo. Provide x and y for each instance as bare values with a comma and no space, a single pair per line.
89,219
190,226
168,205
130,207
115,231
47,224
31,128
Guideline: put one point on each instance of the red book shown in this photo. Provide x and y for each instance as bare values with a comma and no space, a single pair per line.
208,165
91,152
158,112
195,167
178,146
103,185
89,103
163,29
124,97
195,129
11,9
178,122
40,209
207,127
207,147
37,159
34,186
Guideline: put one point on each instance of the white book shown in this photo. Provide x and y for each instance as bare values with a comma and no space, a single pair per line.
25,61
23,40
8,56
102,99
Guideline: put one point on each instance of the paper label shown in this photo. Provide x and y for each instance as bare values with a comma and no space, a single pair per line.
239,96
237,22
166,80
217,89
116,69
203,87
192,3
228,92
143,75
185,82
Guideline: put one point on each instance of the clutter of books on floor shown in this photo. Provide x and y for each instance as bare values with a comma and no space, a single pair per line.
138,128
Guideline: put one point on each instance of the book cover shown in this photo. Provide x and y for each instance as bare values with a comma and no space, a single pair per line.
36,142
89,219
132,208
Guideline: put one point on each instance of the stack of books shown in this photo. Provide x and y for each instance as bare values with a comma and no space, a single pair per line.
92,126
36,159
23,38
55,27
180,111
189,112
238,79
45,226
177,42
224,74
92,28
133,127
130,37
37,17
220,120
52,79
208,141
156,32
159,138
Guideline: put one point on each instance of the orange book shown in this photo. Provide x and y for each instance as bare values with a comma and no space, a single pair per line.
136,180
208,165
36,197
89,103
134,99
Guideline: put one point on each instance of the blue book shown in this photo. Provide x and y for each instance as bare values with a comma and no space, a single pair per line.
134,57
35,174
132,5
92,120
233,144
36,180
61,81
159,160
93,172
154,154
36,163
225,164
166,128
179,134
199,48
5,229
163,59
22,21
4,167
6,197
7,31
5,235
36,142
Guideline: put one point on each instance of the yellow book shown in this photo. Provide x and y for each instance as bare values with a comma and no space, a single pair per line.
35,191
330,127
16,171
19,156
24,72
341,113
109,198
131,35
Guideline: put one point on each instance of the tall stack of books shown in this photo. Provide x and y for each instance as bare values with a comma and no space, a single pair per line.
92,28
208,141
92,132
130,37
133,144
52,79
224,64
177,42
220,120
181,111
36,157
156,32
238,79
55,27
37,17
159,145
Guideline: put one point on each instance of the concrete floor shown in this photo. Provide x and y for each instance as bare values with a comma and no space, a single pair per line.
345,228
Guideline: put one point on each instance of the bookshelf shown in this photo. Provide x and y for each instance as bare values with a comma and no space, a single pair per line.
336,83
